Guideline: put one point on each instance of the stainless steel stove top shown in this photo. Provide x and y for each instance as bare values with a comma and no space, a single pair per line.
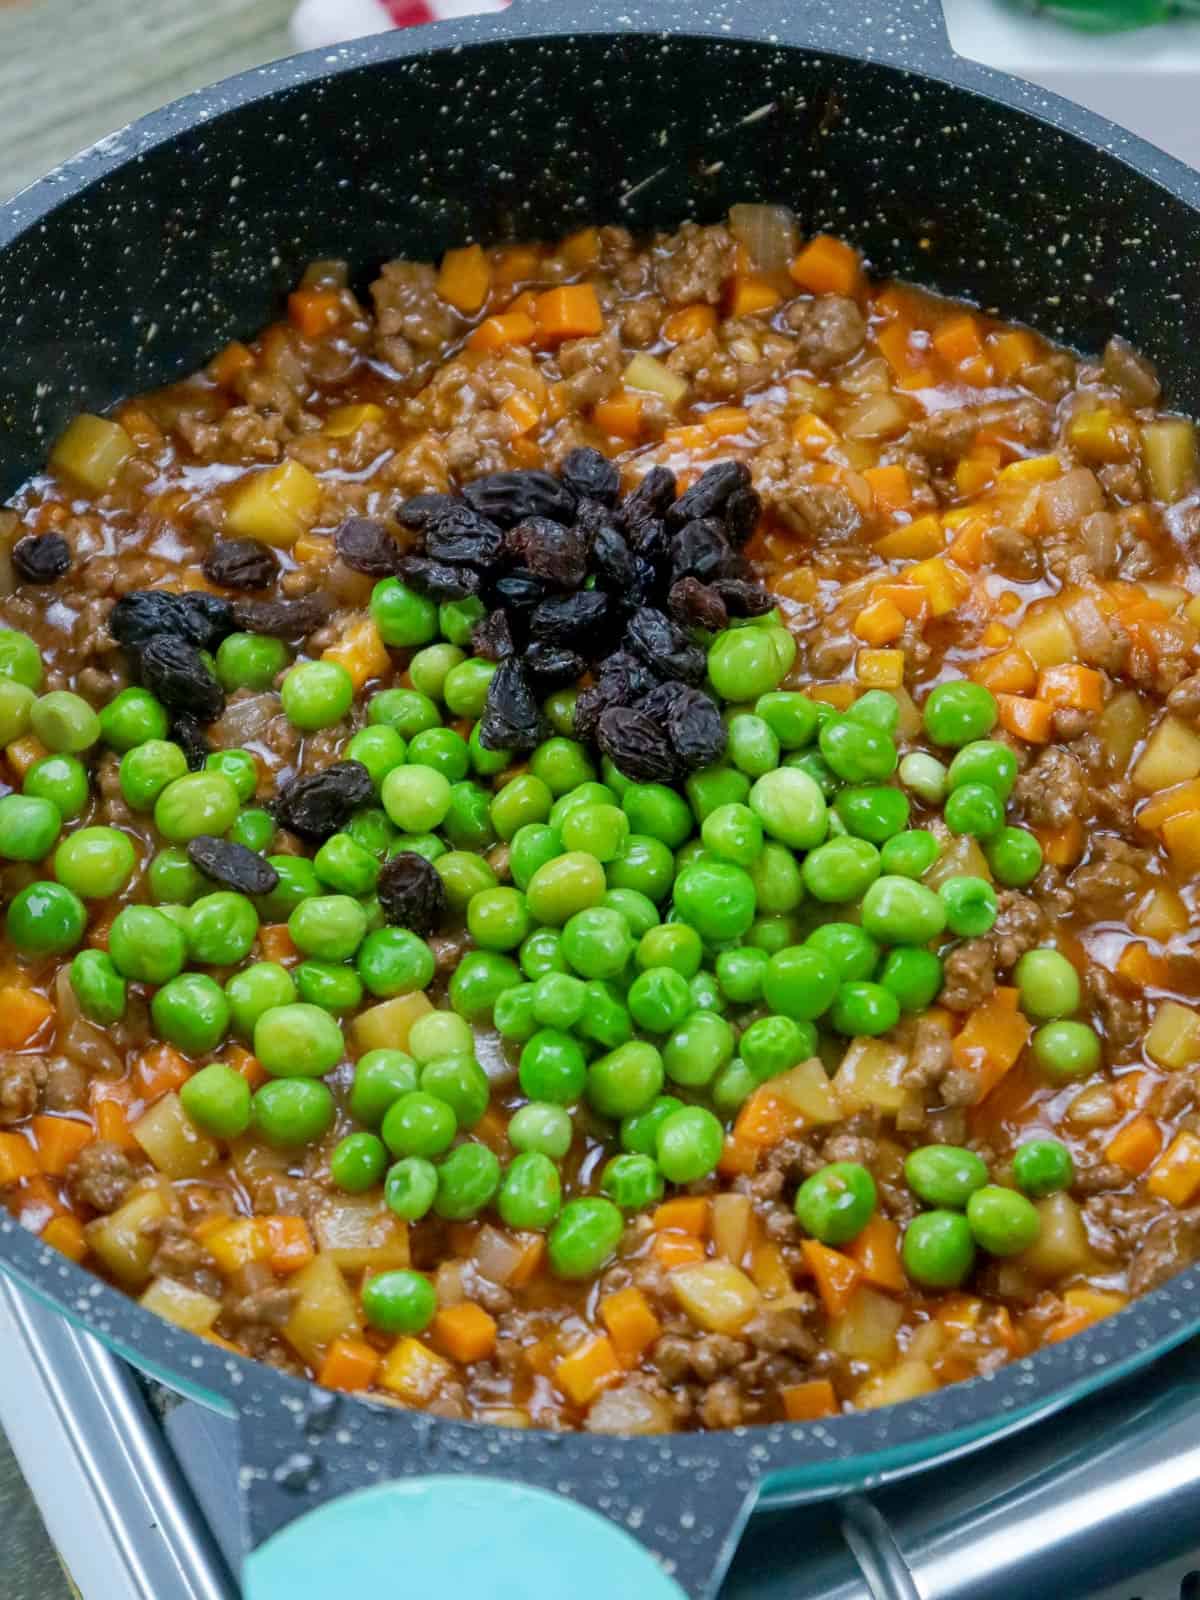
138,1491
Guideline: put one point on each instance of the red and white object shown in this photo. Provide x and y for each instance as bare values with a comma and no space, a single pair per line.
323,22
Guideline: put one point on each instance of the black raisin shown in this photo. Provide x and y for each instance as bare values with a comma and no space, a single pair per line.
571,619
665,647
512,717
695,730
650,540
366,546
709,493
241,564
651,497
461,536
420,511
283,619
144,614
173,669
743,599
232,864
699,550
549,551
323,803
510,497
591,516
41,558
694,605
191,738
741,514
552,666
624,668
519,591
438,581
657,704
207,618
636,745
588,473
612,560
492,637
411,892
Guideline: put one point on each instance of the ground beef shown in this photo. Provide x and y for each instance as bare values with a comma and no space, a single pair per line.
257,1307
831,329
1014,553
1020,925
1053,791
1170,1244
723,1405
66,1085
695,264
591,368
1184,698
705,1357
944,436
1111,879
822,512
929,1055
411,320
783,1329
969,976
19,1079
1121,1016
100,1176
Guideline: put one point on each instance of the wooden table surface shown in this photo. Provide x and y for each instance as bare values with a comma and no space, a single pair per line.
72,71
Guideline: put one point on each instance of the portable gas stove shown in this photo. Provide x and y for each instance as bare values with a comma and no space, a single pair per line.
1099,1503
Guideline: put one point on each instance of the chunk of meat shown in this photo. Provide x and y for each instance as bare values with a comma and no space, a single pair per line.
1020,925
66,1085
1014,553
178,1255
1113,876
784,1329
831,329
1121,1016
695,264
1170,1244
1184,698
1053,790
968,975
19,1079
100,1176
945,436
822,512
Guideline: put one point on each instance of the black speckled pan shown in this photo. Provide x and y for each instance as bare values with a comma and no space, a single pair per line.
133,262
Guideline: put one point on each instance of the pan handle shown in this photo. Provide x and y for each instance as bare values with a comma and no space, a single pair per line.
341,1490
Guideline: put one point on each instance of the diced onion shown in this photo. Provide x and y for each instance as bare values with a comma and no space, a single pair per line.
497,1255
768,234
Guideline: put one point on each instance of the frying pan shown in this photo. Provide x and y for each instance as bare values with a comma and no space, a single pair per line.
130,264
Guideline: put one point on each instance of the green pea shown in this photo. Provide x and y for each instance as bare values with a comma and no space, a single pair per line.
298,881
16,703
467,1180
835,1204
1002,1222
416,798
62,780
909,854
791,808
98,987
358,1163
740,973
403,617
914,976
716,898
217,1100
744,663
659,999
632,1182
852,952
1015,857
498,919
897,910
523,800
334,988
984,761
553,1067
330,926
256,989
1048,985
191,1012
644,864
600,830
344,865
410,1188
1066,1050
877,709
531,847
130,718
814,765
29,827
559,711
64,722
562,765
380,748
557,1000
712,787
372,830
222,929
441,748
732,1086
770,1045
697,1049
291,1112
926,776
938,1250
733,833
487,763
419,1124
408,712
463,875
542,952
864,1008
689,1144
239,766
585,1237
298,1041
250,661
461,1082
1042,1167
626,1080
145,945
147,770
639,911
394,961
800,983
200,802
20,658
399,1302
778,880
793,718
957,713
254,828
856,751
840,869
975,809
671,944
531,1192
437,1034
381,1077
570,883
479,979
605,1020
429,667
457,619
970,905
751,745
542,1127
465,688
468,822
876,812
944,1175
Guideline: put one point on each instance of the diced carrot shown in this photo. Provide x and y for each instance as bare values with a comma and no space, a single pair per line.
244,1064
841,695
879,622
533,1253
945,586
1175,1176
582,1374
1063,846
275,943
466,1332
225,366
976,470
910,368
23,752
891,486
1131,1087
880,669
59,1140
313,312
17,1159
877,1251
464,278
620,414
23,1014
1181,836
513,263
814,436
1172,802
959,1313
526,452
525,304
112,1124
747,295
349,1365
1139,966
1031,720
65,1234
960,345
569,312
1030,471
511,327
913,541
837,1275
908,599
310,547
522,410
995,636
686,1214
991,1039
1135,1146
1081,688
738,1159
1010,672
722,421
690,322
557,402
1073,1321
969,546
289,1243
361,651
828,266
632,1325
765,1118
581,248
806,1402
1011,352
159,1070
677,1250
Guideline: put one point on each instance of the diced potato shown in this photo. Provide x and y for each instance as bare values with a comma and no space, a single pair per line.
732,1217
172,1141
276,505
343,421
1174,1037
927,1342
961,857
358,1231
1172,756
1062,1246
1171,595
1161,915
909,723
186,1308
718,1296
1169,454
385,1026
904,1382
92,451
875,416
869,1077
807,1087
866,1330
413,1372
506,1416
1046,637
1122,726
324,1309
650,375
125,1241
1095,1107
